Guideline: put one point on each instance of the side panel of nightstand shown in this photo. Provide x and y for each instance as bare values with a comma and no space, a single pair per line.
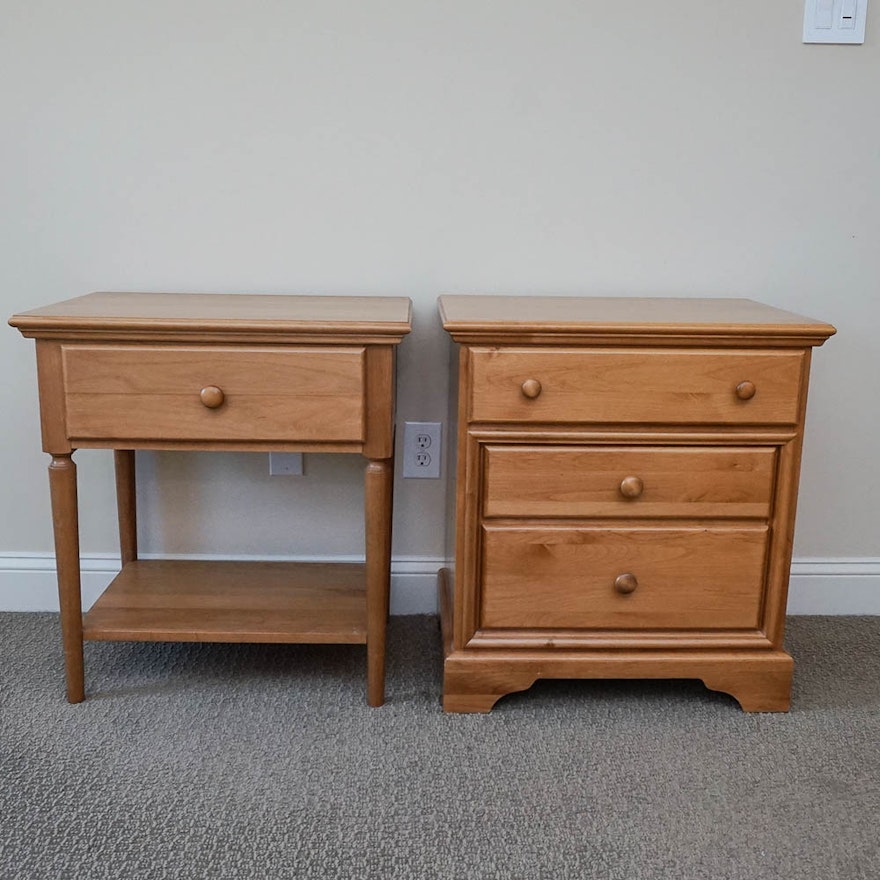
50,378
468,507
380,396
784,515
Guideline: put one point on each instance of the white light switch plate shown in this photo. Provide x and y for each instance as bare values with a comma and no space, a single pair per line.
835,21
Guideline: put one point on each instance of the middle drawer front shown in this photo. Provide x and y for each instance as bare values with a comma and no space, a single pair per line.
628,386
214,393
608,481
582,577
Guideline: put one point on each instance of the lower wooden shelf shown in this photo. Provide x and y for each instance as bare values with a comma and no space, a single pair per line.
189,601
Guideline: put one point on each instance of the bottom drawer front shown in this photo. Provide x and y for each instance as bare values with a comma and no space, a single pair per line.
565,578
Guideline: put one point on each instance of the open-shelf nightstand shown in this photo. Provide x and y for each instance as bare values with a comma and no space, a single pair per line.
128,371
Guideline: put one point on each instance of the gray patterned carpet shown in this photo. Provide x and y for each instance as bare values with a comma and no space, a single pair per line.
243,761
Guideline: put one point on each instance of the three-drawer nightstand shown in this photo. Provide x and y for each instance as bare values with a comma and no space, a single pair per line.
129,371
627,474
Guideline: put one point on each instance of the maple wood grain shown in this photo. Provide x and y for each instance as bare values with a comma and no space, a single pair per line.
142,392
204,314
589,385
688,578
194,601
625,495
130,371
471,318
523,480
126,503
65,521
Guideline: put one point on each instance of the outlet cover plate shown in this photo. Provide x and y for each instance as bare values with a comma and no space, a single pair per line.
421,450
285,464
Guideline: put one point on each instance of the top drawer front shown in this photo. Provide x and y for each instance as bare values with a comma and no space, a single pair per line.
634,386
154,393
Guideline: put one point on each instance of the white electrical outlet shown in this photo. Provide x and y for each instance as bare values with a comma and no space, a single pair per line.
285,464
421,450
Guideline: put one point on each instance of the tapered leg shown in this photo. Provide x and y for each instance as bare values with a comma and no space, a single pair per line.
65,521
378,483
126,503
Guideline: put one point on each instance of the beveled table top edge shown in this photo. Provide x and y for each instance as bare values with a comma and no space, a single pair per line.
510,316
256,314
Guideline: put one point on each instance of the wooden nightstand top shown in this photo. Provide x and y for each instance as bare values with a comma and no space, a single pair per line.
227,316
535,318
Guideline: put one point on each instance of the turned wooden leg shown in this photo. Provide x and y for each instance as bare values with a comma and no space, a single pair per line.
378,496
65,521
126,503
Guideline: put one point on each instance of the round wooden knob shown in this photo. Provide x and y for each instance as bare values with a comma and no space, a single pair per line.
531,388
746,390
212,396
631,487
625,583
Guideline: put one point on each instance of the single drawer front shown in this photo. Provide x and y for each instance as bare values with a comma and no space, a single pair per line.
635,386
623,579
205,393
579,481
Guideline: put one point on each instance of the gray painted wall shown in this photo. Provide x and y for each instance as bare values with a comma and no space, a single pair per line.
412,148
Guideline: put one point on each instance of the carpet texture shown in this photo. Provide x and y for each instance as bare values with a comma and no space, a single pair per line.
263,761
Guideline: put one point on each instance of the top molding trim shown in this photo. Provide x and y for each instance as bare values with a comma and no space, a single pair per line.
234,317
627,320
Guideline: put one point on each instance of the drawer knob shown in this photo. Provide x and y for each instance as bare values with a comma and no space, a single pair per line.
212,396
746,390
631,487
531,388
625,583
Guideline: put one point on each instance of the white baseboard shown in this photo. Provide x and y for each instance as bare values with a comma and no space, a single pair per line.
834,586
818,586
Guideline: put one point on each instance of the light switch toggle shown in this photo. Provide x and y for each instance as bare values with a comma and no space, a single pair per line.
848,15
824,14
